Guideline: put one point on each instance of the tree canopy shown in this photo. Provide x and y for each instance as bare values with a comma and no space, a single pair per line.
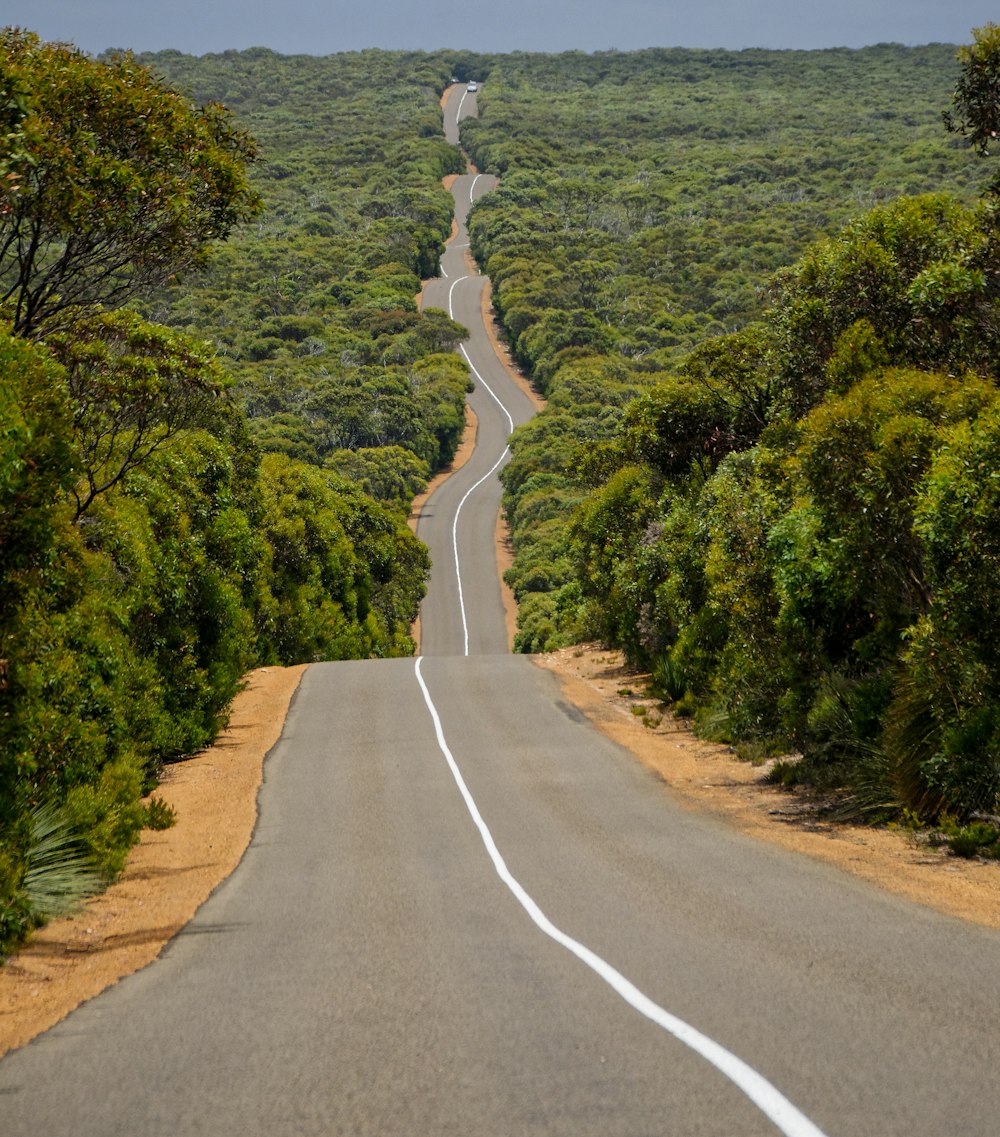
149,554
975,109
120,182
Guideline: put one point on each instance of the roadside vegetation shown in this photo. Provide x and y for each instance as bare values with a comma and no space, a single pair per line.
765,468
761,293
208,450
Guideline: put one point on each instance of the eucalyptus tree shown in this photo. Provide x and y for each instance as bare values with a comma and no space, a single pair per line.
120,183
976,99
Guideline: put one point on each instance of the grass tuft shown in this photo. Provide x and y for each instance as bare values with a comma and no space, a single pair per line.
60,873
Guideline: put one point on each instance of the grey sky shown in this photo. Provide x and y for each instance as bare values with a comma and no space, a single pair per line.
319,27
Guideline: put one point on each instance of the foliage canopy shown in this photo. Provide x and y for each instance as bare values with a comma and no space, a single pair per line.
120,182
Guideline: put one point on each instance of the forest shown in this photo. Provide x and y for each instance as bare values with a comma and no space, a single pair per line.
757,289
218,401
767,336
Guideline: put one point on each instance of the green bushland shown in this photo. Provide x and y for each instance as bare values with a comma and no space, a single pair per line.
780,481
647,201
314,307
181,503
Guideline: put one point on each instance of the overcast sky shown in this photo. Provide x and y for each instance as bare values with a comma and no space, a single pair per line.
320,27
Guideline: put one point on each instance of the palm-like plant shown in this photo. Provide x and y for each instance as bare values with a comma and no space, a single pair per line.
60,873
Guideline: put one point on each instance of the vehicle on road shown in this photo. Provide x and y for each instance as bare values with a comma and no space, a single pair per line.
472,88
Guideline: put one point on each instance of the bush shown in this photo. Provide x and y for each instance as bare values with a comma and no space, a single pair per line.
974,839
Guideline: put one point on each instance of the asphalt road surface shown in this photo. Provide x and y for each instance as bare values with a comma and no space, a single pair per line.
464,912
462,612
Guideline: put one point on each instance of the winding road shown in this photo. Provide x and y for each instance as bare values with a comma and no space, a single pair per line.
464,912
463,612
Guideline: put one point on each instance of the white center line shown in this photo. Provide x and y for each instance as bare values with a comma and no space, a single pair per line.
454,544
471,489
770,1101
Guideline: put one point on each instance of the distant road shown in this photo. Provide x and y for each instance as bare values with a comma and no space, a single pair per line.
465,913
463,610
460,104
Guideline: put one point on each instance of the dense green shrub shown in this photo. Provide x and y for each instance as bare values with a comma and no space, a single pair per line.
148,557
71,684
950,684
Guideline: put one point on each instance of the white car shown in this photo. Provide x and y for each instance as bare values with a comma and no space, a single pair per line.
472,88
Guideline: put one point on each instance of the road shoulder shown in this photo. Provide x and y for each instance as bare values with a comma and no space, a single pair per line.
169,874
708,777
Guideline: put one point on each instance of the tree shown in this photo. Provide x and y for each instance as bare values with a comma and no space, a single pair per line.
976,98
123,184
391,475
134,386
13,109
346,576
678,426
915,280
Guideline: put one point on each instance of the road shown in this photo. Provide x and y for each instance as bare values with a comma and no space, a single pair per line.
465,912
463,612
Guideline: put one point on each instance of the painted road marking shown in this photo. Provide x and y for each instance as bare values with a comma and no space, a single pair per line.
770,1101
471,489
454,544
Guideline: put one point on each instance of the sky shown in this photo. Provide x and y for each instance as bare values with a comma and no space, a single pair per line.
321,27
